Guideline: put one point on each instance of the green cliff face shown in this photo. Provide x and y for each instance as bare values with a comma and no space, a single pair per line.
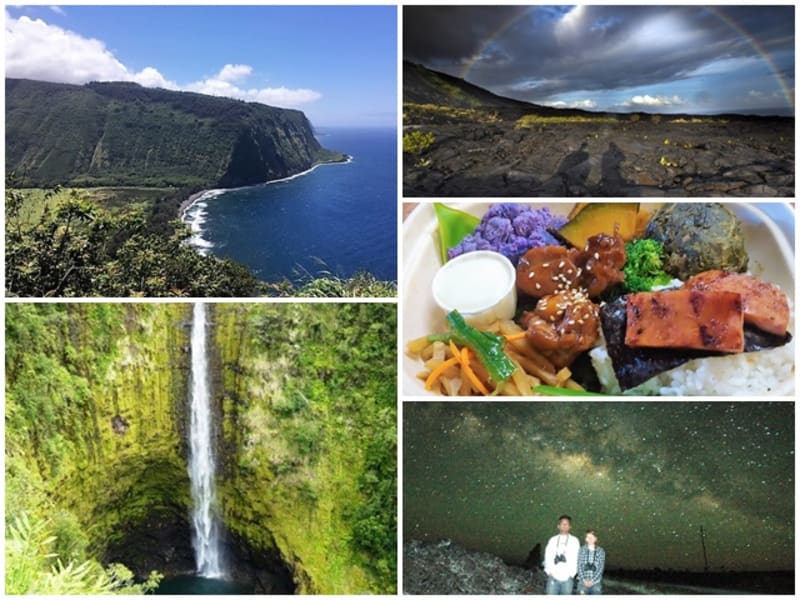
309,438
123,134
93,429
96,400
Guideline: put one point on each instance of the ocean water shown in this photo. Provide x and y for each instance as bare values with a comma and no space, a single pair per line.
344,215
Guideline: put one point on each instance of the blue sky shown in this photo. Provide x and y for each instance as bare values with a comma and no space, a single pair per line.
670,59
337,64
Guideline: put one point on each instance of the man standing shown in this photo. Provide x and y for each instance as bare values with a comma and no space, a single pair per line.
561,559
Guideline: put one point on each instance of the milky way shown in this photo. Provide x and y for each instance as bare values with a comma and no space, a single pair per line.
494,476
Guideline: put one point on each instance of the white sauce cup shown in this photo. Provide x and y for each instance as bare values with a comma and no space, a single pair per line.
481,285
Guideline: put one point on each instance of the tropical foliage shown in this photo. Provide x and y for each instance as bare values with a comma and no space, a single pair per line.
76,248
311,406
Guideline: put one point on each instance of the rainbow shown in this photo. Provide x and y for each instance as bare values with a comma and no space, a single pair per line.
787,91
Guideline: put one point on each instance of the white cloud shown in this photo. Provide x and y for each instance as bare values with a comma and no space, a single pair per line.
233,73
568,28
38,50
58,10
651,101
223,84
150,77
583,104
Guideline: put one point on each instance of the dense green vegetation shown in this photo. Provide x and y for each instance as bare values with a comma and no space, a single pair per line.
115,200
95,419
92,438
310,405
127,242
76,248
120,133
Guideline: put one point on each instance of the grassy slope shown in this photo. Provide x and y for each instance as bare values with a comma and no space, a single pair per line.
311,407
113,199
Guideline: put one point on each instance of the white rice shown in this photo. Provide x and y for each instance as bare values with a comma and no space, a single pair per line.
762,373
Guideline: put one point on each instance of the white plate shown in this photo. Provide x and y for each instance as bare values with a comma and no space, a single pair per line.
768,229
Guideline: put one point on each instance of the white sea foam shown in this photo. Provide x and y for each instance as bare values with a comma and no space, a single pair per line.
194,215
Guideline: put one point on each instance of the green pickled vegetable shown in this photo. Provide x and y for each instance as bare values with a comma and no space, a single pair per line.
549,390
488,347
454,226
644,265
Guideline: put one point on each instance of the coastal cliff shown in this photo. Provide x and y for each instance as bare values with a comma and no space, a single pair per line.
120,133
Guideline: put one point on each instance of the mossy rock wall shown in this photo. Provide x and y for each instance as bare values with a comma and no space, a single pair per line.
308,442
96,404
93,428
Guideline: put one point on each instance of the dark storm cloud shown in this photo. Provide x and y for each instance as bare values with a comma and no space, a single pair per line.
656,467
547,51
450,34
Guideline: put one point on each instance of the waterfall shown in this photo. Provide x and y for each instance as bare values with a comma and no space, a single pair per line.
202,465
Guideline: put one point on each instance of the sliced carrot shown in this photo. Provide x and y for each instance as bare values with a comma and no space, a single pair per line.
465,366
437,372
513,337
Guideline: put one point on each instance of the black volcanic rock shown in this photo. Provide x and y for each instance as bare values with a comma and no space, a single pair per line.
489,146
447,568
120,133
534,560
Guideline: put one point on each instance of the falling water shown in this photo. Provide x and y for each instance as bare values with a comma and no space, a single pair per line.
202,465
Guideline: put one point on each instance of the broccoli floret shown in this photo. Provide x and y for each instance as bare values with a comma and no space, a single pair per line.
644,265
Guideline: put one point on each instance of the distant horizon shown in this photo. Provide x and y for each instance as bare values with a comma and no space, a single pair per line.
610,567
694,60
337,64
766,114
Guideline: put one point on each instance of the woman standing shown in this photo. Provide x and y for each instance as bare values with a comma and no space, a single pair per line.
591,562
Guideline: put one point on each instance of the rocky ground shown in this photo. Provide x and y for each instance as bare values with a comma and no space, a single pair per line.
447,568
480,153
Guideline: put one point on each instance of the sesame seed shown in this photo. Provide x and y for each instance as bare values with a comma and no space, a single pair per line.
554,278
561,265
531,275
580,321
569,271
588,267
596,256
545,265
571,322
538,286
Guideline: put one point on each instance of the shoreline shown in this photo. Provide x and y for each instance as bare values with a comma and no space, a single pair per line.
193,199
197,241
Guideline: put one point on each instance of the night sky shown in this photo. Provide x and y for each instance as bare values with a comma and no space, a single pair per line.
667,59
495,476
